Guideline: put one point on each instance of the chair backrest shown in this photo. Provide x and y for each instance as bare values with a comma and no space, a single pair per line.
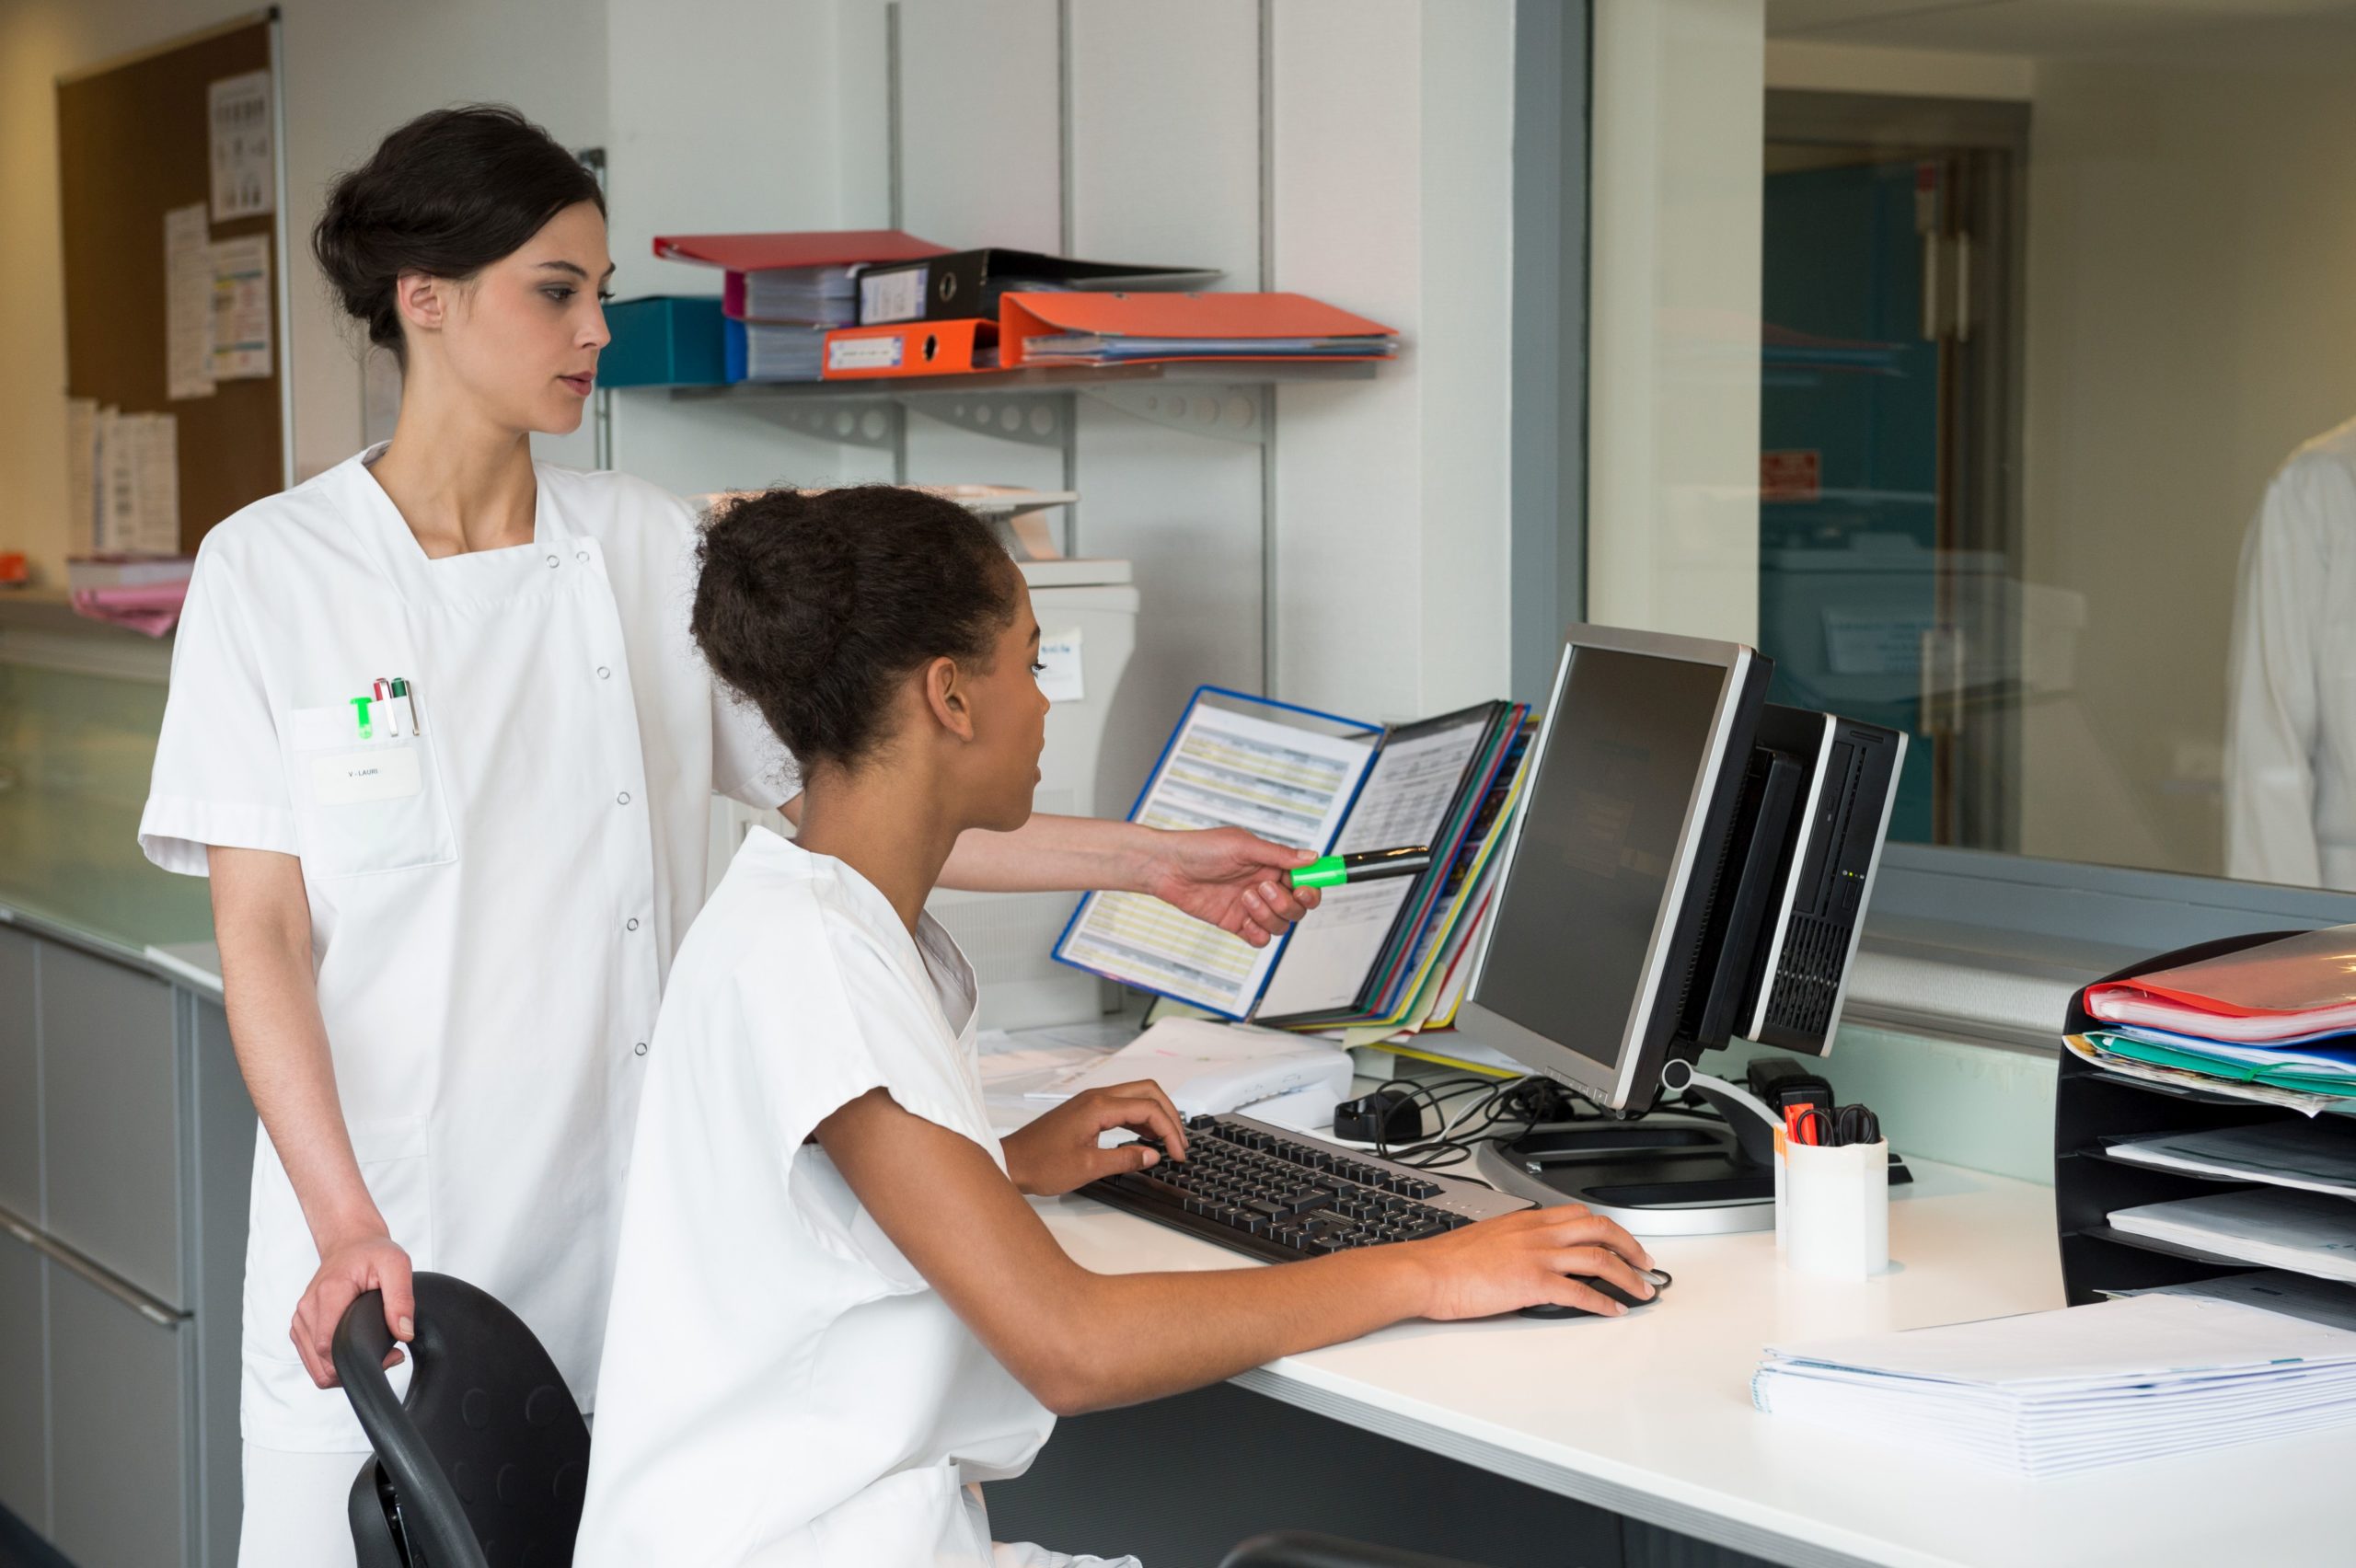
1306,1549
487,1456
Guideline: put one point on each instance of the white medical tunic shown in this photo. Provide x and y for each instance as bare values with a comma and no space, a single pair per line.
780,1385
2291,741
497,880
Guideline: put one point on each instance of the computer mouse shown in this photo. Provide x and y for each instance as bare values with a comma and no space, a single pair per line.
1659,1277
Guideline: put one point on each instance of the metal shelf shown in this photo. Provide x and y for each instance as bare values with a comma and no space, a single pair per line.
1225,399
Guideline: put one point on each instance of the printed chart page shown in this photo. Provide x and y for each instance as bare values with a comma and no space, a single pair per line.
1225,769
1406,802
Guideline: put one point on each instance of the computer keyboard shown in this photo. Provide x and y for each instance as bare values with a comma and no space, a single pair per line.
1278,1195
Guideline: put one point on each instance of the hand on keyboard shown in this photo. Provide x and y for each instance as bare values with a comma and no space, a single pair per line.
1283,1197
1539,1257
1060,1152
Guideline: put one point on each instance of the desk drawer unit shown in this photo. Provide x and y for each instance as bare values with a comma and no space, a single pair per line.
19,1077
120,1389
126,1147
24,1383
111,1110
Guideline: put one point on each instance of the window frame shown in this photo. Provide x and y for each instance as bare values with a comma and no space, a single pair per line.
2009,936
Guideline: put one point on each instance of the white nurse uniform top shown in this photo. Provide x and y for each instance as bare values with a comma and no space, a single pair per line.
500,861
781,1387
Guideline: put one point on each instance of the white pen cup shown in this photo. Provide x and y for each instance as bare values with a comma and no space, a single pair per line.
1833,1208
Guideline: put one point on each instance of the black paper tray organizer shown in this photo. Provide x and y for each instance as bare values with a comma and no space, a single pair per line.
2094,1108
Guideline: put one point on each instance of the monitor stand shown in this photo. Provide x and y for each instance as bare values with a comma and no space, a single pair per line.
1669,1174
1672,1174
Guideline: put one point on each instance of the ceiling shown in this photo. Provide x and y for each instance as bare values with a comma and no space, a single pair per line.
2207,31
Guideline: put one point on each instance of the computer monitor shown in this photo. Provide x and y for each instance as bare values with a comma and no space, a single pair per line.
1689,863
1605,889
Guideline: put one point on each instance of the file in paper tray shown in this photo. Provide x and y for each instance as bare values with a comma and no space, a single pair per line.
2316,1156
2293,986
2312,1233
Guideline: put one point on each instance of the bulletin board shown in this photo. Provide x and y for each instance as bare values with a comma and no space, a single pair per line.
139,139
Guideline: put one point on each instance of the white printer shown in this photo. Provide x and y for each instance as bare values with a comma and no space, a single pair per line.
1088,628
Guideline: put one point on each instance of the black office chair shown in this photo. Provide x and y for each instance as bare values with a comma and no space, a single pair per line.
484,1463
1306,1549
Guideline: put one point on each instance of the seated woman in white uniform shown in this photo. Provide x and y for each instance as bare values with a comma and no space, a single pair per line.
834,1312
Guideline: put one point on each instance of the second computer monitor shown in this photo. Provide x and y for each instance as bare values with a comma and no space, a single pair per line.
1639,770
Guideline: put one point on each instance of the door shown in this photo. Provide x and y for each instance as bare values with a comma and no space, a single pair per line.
1888,559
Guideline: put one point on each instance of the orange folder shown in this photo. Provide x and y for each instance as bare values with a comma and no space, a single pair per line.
1022,317
908,348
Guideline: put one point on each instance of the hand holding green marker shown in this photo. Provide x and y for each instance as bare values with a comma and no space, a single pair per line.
1364,865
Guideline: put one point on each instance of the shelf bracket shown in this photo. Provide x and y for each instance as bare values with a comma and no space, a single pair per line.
849,421
1223,411
1033,418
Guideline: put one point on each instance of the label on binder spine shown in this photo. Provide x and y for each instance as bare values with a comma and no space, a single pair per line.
863,353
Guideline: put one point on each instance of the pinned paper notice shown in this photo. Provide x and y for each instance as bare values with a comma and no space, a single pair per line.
245,174
1059,675
240,308
135,471
187,304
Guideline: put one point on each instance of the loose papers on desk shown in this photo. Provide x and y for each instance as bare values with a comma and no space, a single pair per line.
1210,1068
2048,1393
2279,1228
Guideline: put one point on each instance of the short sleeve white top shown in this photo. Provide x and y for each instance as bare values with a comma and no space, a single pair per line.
499,866
780,1385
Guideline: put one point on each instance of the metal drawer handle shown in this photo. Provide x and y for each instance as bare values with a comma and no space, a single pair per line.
67,1258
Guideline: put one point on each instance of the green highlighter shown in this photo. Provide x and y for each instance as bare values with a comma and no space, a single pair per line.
1365,865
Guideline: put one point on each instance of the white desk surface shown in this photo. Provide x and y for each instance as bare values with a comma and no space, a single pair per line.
1650,1415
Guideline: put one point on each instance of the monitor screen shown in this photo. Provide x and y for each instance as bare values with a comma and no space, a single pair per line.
1625,749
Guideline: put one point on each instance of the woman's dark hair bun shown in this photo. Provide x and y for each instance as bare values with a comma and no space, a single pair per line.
812,604
447,194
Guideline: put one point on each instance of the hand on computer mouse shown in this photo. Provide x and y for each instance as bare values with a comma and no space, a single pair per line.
1659,1279
1539,1257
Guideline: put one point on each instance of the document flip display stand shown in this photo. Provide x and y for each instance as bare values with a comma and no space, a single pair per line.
2093,1111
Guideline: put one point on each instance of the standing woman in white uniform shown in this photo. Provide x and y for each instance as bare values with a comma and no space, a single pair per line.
439,736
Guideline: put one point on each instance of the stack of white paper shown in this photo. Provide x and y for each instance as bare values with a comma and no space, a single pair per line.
2281,1228
2048,1393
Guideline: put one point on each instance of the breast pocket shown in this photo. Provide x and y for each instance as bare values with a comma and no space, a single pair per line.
365,804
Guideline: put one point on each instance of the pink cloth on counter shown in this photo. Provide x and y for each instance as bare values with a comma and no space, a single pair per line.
154,610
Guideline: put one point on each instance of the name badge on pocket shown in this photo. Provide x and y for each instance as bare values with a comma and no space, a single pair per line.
383,773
